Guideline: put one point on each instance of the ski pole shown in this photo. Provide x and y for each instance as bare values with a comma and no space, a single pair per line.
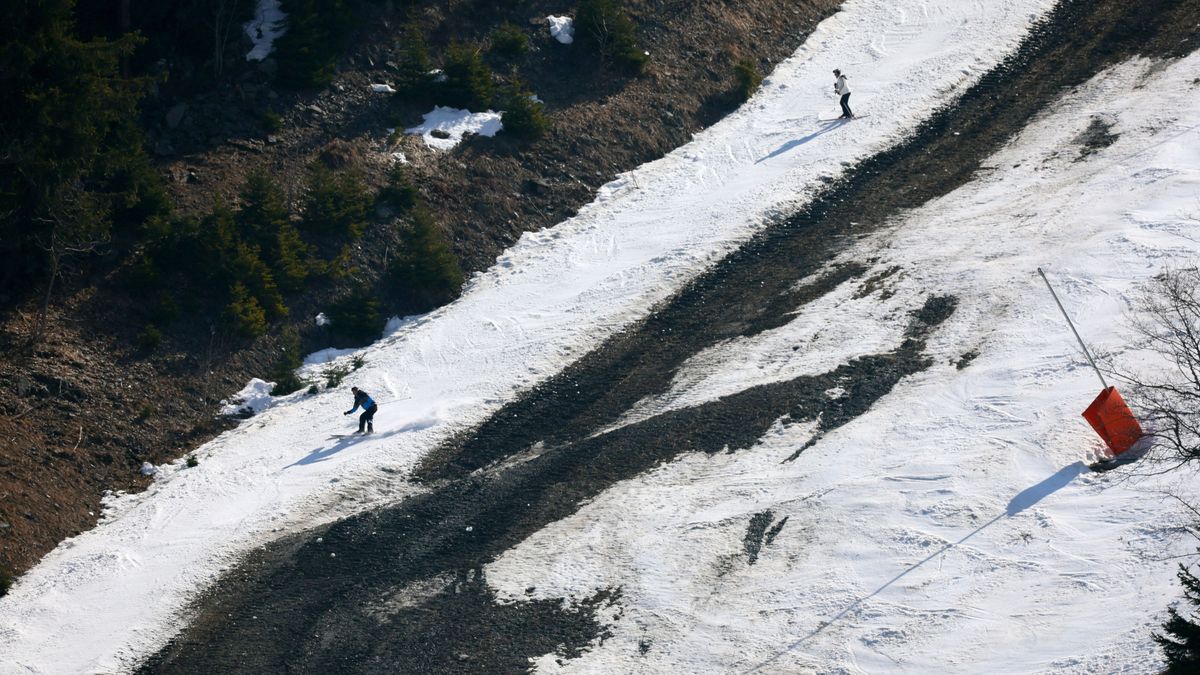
1072,325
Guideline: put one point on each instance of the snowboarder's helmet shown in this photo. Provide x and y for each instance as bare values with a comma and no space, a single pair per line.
836,71
354,389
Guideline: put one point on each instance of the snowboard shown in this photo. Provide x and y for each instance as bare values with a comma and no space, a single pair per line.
350,435
839,119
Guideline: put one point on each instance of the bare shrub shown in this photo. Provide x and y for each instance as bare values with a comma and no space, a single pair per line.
1167,401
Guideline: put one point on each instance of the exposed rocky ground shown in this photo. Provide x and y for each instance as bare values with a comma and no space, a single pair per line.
85,408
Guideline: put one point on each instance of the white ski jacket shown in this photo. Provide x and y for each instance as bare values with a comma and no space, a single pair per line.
840,87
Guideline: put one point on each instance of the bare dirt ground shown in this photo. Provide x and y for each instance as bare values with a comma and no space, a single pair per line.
416,569
85,408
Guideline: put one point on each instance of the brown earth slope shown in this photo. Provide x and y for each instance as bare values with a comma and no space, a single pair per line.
82,411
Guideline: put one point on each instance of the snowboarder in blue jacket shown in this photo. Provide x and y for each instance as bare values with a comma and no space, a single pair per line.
361,398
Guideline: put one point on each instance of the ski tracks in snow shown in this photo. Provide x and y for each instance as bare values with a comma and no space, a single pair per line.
958,530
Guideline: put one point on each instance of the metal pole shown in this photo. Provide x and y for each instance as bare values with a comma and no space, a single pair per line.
1072,325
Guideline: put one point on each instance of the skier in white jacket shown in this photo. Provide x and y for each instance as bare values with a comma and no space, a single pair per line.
842,89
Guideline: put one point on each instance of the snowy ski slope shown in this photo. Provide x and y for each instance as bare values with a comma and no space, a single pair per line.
1051,566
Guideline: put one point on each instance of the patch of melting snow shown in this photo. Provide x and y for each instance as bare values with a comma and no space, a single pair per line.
454,124
396,323
254,398
562,28
267,25
326,355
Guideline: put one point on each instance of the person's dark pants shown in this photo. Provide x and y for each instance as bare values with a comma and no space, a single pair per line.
846,106
366,417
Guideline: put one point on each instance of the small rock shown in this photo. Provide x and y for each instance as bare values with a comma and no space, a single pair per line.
439,133
272,139
464,657
4,525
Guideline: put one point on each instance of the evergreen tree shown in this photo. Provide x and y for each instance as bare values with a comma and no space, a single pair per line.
399,193
413,80
336,204
357,317
510,41
294,260
263,221
747,78
1181,642
263,210
468,79
228,260
603,28
244,313
283,373
317,30
426,269
68,135
523,116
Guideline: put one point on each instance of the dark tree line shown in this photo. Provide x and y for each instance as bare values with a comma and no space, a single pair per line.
72,166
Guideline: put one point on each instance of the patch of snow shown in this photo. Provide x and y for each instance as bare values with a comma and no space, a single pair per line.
456,123
254,398
397,323
321,319
267,26
382,89
399,158
562,28
326,355
148,469
438,75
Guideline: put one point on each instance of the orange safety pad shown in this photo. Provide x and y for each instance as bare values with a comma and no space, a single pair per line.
1113,420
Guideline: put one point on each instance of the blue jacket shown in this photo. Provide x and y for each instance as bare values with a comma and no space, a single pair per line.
364,400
